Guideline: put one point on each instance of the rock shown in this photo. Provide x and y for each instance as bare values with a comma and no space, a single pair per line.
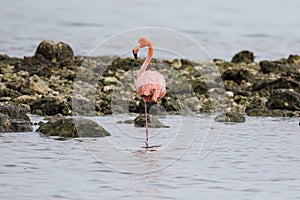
123,64
55,51
4,57
6,62
82,106
199,86
280,83
243,56
278,66
284,99
50,106
128,121
294,59
46,86
257,107
238,75
35,65
25,99
229,94
14,119
230,117
108,88
140,121
14,112
170,104
110,80
192,104
72,127
231,86
37,85
176,64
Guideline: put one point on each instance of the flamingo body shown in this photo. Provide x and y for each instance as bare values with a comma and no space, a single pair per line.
150,85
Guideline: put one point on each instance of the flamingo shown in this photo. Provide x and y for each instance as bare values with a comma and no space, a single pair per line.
150,85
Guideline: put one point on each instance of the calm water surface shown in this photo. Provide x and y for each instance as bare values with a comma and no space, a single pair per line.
270,28
258,159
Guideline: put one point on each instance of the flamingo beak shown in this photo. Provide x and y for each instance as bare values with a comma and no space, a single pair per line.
134,54
136,50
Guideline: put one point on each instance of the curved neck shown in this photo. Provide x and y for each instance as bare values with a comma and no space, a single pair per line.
148,59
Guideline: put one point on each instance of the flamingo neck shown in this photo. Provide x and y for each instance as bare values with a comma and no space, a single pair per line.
148,59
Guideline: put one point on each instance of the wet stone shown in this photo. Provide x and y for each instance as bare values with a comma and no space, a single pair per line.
72,127
140,121
230,117
128,121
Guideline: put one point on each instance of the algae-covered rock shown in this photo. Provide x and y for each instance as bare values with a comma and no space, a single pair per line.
257,107
50,106
280,83
72,127
14,119
284,99
278,66
237,75
140,121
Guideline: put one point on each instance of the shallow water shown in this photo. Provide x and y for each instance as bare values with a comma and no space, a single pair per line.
270,28
258,159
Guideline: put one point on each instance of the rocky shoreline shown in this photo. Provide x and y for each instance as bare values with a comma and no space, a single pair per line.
54,81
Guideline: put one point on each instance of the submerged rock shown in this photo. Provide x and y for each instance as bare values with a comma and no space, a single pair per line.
14,119
230,117
140,121
128,121
72,127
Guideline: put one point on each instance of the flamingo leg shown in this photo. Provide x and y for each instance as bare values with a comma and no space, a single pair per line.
146,117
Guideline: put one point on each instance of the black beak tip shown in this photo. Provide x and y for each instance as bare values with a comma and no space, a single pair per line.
134,54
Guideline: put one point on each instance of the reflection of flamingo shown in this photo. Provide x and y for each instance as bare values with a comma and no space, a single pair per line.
150,85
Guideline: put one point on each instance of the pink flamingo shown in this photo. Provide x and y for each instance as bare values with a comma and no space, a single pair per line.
150,85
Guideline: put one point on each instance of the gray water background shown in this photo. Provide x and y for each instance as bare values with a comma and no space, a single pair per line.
270,28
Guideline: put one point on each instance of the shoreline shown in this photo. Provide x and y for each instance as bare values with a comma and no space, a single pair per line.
54,81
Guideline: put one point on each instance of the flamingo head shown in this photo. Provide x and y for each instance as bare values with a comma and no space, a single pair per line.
142,43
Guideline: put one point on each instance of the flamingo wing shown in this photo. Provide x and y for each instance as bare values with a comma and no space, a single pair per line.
151,86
